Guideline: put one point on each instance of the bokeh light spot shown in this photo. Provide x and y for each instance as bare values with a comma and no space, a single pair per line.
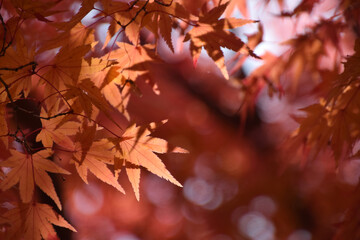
351,172
198,191
221,237
300,235
256,226
158,191
88,199
263,204
124,236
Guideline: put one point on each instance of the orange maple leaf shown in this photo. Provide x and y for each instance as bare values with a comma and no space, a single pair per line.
94,156
20,58
126,16
106,77
160,17
38,9
37,222
211,33
129,56
77,36
137,148
65,69
55,130
86,7
86,96
29,170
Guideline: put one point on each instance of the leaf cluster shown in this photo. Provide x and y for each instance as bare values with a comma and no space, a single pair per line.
73,82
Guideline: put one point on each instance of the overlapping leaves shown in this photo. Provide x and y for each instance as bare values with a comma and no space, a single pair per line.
334,121
212,34
77,85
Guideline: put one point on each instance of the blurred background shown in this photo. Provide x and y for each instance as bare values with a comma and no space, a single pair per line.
241,180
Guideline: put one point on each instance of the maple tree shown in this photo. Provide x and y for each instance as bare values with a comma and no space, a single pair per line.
88,86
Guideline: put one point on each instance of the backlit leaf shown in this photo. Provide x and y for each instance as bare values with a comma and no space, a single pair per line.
211,34
138,149
96,160
29,170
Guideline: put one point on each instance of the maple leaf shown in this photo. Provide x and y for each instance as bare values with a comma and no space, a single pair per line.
343,121
65,69
162,22
307,51
86,7
87,95
94,156
77,36
34,222
111,7
324,126
129,55
29,170
131,20
160,17
106,77
313,128
334,121
211,34
239,4
55,130
21,60
13,220
137,148
21,172
126,16
38,9
351,72
40,220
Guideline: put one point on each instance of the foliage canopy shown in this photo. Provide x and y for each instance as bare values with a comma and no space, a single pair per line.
72,85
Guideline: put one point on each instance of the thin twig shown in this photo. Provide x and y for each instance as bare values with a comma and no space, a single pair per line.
33,64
